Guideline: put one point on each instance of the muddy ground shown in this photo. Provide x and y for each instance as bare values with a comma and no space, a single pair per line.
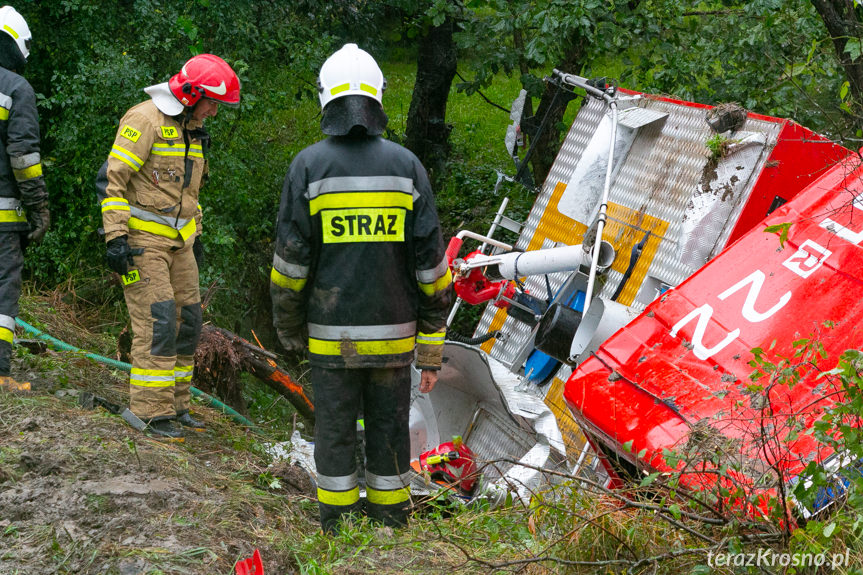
82,492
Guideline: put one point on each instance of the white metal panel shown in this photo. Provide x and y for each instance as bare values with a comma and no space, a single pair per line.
658,176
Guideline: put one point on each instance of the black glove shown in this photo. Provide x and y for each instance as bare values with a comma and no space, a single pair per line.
198,250
119,255
39,219
293,342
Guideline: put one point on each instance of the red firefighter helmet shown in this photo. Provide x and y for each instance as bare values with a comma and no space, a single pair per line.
452,462
205,76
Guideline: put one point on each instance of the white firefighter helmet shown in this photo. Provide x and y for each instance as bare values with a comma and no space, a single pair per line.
13,23
350,72
351,87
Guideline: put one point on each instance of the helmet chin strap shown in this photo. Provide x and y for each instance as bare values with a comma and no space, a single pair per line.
188,164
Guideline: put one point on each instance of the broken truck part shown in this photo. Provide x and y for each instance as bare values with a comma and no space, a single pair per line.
684,365
671,206
595,359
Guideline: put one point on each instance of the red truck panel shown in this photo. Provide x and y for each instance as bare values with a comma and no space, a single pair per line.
684,361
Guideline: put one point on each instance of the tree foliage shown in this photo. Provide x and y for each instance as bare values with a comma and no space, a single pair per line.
90,61
771,56
94,68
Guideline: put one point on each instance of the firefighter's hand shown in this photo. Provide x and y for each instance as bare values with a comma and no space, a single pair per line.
292,342
428,379
39,219
119,255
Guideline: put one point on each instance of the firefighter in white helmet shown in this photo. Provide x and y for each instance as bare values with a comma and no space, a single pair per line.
152,219
360,271
24,215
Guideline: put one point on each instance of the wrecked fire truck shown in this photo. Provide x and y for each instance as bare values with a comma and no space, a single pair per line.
598,361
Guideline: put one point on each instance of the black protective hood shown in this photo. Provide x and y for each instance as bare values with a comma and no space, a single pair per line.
353,115
11,57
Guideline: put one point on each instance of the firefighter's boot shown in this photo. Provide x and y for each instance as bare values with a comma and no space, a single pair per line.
185,419
7,383
164,427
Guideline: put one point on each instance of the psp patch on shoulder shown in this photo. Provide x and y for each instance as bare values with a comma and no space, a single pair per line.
170,132
130,133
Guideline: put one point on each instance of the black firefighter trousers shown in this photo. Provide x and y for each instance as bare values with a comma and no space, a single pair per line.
383,396
11,263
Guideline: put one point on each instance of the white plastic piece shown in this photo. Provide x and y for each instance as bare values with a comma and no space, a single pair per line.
603,318
538,262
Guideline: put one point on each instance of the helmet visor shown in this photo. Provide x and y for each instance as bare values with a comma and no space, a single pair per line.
222,102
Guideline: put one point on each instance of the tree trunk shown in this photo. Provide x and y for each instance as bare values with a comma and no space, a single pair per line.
427,133
843,23
547,143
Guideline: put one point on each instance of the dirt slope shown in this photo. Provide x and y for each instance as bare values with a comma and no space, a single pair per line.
81,492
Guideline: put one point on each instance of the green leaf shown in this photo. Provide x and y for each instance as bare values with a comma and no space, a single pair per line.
853,48
782,230
828,530
671,458
649,479
627,447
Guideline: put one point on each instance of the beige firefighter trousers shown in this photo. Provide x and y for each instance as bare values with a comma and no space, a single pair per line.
165,308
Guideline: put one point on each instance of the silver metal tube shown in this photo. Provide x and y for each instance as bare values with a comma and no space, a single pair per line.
453,311
469,234
540,262
498,216
603,207
580,82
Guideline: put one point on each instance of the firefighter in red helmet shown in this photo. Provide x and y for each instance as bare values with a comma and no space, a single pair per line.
148,190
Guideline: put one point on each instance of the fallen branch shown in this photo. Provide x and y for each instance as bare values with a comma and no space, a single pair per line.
220,346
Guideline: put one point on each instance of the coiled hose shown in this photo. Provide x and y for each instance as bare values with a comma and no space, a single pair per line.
205,398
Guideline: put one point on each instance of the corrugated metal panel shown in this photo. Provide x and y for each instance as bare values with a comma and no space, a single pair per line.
493,439
654,183
576,141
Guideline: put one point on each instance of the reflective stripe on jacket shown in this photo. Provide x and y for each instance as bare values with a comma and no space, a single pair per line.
21,180
142,195
360,257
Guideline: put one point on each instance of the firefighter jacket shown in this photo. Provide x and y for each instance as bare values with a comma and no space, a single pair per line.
21,181
154,173
360,257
